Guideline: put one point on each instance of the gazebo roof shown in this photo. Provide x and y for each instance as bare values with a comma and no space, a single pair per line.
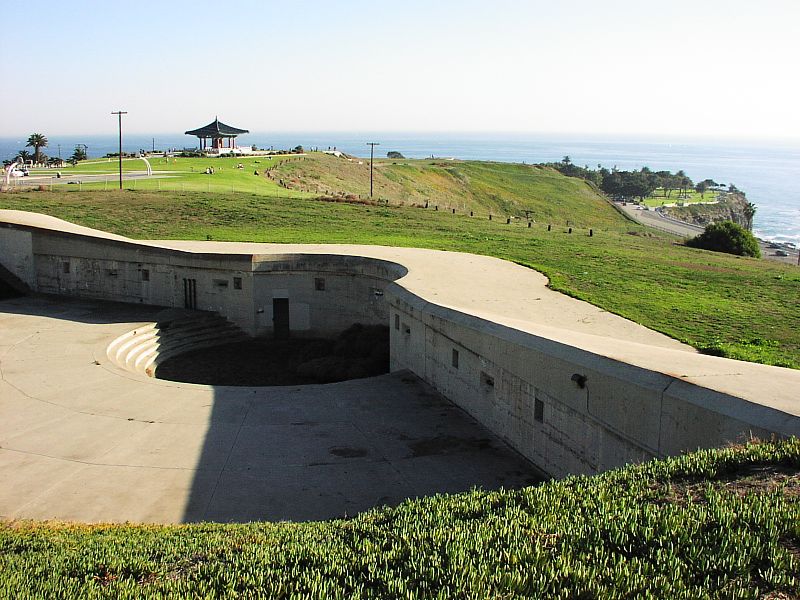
216,129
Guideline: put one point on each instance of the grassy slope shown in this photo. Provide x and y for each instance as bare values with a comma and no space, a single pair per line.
712,524
502,189
498,188
743,308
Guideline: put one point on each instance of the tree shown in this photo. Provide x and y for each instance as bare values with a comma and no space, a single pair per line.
36,141
566,160
24,156
729,237
78,155
749,213
701,188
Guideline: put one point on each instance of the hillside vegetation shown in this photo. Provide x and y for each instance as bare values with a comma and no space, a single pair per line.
737,307
713,524
505,190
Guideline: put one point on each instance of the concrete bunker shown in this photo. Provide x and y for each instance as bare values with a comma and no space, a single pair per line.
573,389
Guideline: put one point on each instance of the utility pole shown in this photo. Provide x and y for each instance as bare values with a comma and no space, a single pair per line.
59,152
371,156
119,113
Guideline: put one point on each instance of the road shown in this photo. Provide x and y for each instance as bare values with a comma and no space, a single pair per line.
37,180
656,220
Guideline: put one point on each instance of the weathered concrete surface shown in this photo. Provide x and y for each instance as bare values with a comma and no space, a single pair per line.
81,439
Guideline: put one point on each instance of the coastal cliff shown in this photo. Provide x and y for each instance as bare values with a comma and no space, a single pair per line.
732,206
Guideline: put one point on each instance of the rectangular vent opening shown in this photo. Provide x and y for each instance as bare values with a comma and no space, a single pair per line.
538,410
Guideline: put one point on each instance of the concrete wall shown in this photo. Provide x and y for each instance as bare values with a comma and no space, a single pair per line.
327,294
16,254
566,410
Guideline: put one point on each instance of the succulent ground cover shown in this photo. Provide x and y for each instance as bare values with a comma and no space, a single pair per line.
711,524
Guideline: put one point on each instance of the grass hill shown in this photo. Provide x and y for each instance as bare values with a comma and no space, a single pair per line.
502,189
713,524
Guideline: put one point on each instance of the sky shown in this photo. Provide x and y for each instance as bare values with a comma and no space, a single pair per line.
700,68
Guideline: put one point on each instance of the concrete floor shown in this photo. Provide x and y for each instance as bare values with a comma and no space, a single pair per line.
83,440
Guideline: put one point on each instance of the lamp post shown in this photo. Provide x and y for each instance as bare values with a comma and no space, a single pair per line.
119,113
371,156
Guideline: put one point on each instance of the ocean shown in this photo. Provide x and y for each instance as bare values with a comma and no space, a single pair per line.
766,171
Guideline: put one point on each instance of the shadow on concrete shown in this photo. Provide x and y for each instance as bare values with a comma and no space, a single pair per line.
106,445
329,451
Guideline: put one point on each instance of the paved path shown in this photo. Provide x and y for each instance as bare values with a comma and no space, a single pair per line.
82,440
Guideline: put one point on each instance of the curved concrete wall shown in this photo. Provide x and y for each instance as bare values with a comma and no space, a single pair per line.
572,388
326,293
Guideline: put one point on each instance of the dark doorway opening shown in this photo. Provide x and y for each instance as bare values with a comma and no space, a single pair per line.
280,318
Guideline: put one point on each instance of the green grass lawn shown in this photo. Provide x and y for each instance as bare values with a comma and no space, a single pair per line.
180,175
690,197
736,307
713,524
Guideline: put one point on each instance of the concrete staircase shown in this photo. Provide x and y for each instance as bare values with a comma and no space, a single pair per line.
176,331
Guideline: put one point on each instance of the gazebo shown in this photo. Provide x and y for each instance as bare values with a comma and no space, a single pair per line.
217,132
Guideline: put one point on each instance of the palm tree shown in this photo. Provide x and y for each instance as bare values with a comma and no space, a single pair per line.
36,141
24,156
749,213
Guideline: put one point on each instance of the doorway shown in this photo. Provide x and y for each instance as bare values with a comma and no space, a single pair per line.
280,318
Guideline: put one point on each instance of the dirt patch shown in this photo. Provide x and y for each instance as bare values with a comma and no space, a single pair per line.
360,351
750,479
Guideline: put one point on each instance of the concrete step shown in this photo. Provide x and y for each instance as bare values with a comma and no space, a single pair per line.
175,332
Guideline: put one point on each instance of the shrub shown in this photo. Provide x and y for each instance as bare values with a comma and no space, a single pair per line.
727,236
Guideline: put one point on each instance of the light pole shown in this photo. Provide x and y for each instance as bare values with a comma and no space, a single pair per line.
371,156
119,113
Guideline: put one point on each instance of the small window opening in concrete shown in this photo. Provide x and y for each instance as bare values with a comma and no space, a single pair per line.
145,274
406,329
487,381
319,284
111,272
455,358
377,292
397,322
237,283
221,283
65,267
538,410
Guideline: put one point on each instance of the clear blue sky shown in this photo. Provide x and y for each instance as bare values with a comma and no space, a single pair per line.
671,68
